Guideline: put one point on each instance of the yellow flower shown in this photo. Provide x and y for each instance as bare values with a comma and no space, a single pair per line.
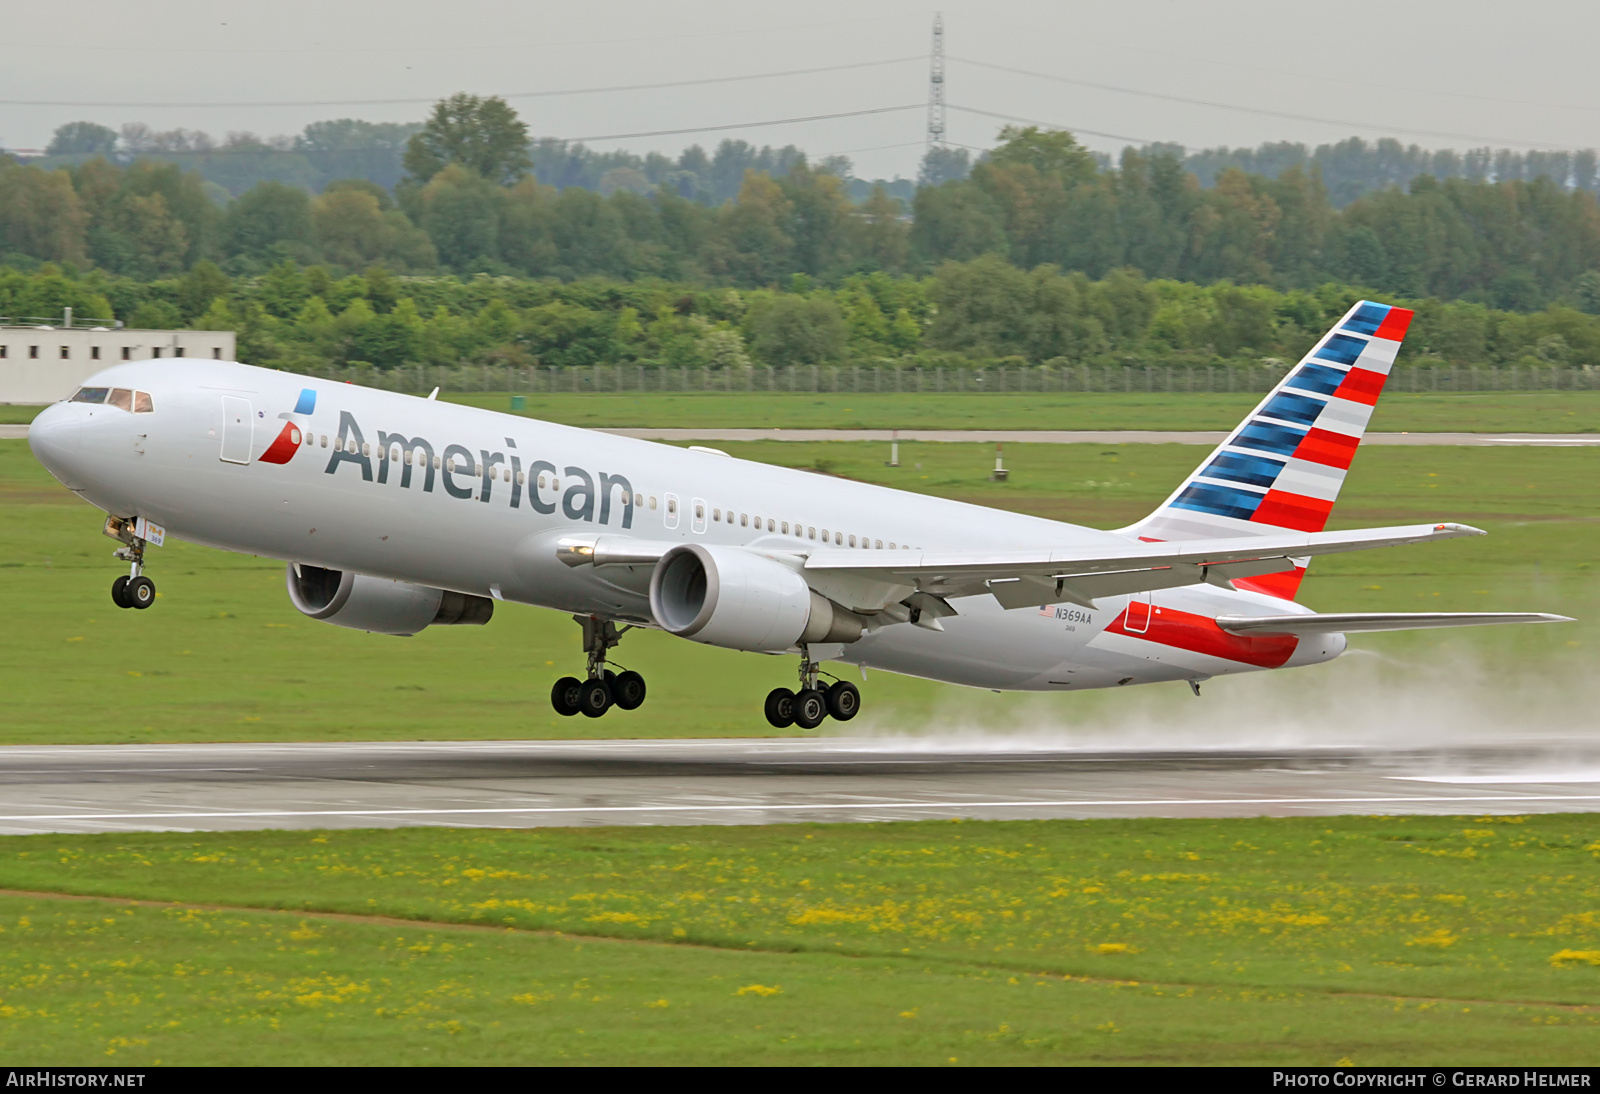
758,989
1563,958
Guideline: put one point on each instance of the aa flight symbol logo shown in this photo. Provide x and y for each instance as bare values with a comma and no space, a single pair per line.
282,449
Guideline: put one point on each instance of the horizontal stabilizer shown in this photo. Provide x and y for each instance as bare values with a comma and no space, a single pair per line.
1353,622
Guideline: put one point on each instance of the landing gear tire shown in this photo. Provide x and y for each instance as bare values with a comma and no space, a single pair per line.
594,697
810,708
844,701
564,696
119,592
140,592
780,708
627,689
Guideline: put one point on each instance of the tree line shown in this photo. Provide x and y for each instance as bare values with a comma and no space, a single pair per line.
470,201
979,312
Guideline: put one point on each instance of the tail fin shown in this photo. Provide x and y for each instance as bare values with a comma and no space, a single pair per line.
1283,466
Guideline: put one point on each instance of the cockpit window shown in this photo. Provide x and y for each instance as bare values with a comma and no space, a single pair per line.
90,395
121,398
142,403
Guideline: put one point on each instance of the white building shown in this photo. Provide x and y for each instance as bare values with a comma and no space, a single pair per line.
44,364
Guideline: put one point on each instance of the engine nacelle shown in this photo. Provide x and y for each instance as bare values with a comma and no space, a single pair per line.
379,605
728,596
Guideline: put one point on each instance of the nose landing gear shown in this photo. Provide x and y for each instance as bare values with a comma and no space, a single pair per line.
135,590
808,707
601,689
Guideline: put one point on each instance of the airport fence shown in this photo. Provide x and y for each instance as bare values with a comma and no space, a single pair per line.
858,380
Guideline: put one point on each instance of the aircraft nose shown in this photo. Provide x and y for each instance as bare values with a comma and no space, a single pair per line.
54,438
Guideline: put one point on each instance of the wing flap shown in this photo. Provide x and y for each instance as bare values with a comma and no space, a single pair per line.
1353,622
1081,574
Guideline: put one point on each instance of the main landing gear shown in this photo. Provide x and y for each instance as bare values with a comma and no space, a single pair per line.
807,707
135,590
601,689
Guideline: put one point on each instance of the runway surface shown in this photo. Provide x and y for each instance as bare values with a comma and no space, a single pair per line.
1041,436
516,784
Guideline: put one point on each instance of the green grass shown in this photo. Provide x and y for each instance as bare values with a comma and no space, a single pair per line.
1503,412
222,655
1537,412
1417,940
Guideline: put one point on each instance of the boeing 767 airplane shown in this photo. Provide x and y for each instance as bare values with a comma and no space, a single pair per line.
395,513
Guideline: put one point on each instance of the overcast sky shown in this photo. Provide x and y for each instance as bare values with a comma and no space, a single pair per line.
1441,73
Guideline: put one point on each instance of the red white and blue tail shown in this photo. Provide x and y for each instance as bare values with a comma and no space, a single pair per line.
1283,466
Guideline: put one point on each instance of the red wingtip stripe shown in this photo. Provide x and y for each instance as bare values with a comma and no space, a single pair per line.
1395,325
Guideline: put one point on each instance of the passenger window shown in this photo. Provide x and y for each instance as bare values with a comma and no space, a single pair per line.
838,538
877,544
541,482
142,403
90,395
121,398
652,501
772,525
716,514
891,545
813,533
638,499
672,505
477,469
555,483
699,512
324,440
505,476
785,527
852,541
436,463
744,520
311,439
522,477
366,450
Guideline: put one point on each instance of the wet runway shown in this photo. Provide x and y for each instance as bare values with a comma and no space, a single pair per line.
505,784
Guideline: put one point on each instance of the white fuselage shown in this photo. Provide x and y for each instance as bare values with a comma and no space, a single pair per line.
392,508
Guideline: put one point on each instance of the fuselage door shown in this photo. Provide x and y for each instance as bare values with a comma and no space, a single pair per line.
1138,618
237,428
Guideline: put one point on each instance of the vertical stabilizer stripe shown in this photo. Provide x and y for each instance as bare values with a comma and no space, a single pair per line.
1331,449
1282,509
1362,386
1395,326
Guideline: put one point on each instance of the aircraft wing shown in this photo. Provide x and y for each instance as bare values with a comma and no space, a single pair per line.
1078,575
1352,622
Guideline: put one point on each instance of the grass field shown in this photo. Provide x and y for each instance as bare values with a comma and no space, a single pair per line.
1503,412
223,656
1300,941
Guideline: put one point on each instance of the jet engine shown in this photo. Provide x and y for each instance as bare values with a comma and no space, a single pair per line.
379,605
727,596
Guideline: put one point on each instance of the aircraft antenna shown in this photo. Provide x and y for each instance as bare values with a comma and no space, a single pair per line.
936,85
